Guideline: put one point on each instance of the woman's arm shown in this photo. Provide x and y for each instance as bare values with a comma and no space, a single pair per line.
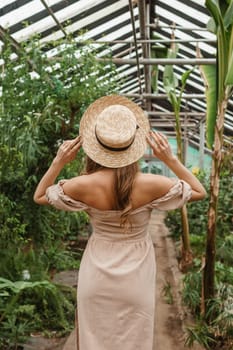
162,150
66,153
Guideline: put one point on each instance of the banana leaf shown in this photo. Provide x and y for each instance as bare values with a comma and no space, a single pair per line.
156,52
209,75
170,81
228,17
222,52
229,76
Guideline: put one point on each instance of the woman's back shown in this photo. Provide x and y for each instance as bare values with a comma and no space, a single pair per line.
97,189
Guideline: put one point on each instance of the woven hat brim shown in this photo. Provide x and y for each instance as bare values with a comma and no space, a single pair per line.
100,154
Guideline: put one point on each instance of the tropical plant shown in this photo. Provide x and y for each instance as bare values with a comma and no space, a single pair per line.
45,90
171,83
216,333
157,51
33,306
198,218
201,334
222,25
41,104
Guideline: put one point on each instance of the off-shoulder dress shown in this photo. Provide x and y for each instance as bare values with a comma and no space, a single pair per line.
116,283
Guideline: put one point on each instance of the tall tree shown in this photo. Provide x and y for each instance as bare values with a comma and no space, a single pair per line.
221,24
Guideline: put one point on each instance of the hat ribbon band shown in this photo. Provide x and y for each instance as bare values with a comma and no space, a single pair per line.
115,149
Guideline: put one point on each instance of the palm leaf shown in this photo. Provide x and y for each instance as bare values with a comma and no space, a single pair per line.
229,77
209,75
215,10
170,81
156,52
228,17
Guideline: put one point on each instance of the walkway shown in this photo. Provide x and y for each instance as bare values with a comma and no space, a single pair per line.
170,317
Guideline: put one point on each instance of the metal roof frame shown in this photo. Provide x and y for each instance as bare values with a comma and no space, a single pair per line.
127,27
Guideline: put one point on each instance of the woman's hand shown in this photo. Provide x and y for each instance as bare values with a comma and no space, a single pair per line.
160,146
65,154
162,151
68,151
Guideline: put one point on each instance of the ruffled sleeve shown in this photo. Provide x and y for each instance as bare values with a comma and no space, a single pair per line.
57,198
175,198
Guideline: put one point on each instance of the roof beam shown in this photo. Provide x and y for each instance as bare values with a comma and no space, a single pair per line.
16,46
135,44
53,16
142,9
172,114
164,96
169,124
156,25
155,41
5,34
163,61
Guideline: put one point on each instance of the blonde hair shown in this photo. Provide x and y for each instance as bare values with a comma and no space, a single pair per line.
123,185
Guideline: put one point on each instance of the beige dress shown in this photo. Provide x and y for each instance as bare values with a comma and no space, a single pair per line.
116,287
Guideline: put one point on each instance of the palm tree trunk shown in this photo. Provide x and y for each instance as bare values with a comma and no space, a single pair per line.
209,270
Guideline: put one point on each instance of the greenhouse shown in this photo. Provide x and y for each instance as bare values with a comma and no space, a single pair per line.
120,115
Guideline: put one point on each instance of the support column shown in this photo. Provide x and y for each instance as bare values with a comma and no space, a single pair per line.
144,15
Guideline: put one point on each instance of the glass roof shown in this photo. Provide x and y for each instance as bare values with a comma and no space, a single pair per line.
112,22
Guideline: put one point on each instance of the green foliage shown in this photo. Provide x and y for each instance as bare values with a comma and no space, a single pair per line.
167,293
201,334
33,306
197,212
217,332
192,288
219,79
175,90
157,51
170,80
43,98
209,75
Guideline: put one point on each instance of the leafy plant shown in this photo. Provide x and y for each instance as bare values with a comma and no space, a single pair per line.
198,217
221,23
200,334
217,333
167,293
42,103
27,306
45,90
171,85
191,293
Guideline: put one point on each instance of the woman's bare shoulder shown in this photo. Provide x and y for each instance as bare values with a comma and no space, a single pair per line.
82,186
155,186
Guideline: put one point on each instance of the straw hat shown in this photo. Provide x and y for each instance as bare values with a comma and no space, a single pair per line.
114,131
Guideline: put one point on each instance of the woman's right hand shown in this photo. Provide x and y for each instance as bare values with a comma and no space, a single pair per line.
68,151
160,146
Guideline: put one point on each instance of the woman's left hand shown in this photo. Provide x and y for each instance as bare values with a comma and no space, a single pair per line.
68,150
160,146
